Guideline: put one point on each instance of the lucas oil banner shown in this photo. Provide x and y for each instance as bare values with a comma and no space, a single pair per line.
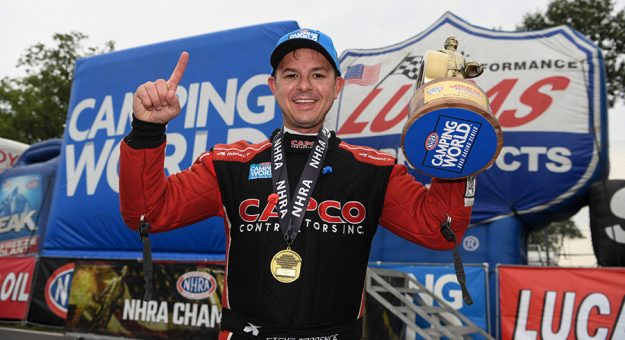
546,88
561,303
224,97
107,298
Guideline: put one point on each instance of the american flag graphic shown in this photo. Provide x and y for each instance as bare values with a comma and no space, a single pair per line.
363,75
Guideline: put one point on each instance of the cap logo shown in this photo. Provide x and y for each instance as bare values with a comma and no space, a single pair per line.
305,35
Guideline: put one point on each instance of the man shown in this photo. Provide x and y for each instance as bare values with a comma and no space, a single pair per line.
14,203
456,65
300,209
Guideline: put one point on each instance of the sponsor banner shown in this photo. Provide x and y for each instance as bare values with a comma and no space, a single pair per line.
51,290
16,274
561,303
224,97
10,151
20,206
107,298
607,222
441,280
546,88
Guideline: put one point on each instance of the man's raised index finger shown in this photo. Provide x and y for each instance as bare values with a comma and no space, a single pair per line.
176,76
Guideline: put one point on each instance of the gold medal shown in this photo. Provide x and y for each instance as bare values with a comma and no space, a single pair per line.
286,265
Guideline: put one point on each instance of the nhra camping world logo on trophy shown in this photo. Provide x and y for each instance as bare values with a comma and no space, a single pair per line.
196,285
448,147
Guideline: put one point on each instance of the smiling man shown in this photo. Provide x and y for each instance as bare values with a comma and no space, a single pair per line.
300,209
305,81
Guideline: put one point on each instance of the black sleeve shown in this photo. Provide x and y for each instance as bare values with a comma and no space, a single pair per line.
145,135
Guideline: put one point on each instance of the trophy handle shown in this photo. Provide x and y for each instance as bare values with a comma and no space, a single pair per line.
435,66
473,69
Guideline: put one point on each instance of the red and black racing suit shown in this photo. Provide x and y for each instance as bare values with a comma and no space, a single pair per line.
359,189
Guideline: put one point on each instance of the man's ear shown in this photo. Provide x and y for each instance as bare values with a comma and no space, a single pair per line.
271,81
338,87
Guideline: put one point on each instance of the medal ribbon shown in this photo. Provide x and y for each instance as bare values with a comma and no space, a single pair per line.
291,213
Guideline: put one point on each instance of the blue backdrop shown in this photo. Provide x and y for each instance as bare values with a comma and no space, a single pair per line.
225,98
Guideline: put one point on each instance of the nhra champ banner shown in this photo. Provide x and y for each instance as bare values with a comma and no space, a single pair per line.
107,298
224,97
16,274
51,289
561,303
545,87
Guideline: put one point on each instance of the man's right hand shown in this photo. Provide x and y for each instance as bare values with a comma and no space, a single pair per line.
156,102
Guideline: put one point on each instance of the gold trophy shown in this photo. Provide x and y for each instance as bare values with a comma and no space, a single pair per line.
451,132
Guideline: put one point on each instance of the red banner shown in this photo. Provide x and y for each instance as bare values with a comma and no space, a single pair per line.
15,285
562,303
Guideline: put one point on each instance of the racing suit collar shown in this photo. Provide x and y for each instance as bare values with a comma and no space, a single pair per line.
293,132
334,140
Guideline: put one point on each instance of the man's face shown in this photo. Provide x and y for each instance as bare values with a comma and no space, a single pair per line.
453,43
305,86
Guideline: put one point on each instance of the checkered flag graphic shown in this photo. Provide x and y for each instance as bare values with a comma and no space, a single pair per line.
409,67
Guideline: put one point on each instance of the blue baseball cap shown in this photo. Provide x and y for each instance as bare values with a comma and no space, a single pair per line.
305,38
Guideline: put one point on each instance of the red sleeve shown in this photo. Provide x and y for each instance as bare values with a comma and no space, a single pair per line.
167,202
415,212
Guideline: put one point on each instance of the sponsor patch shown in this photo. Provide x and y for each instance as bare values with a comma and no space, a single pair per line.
455,141
262,170
304,34
196,285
